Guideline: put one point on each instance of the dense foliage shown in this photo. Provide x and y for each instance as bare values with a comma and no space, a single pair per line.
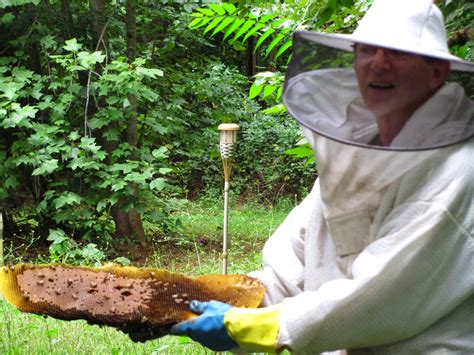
72,94
109,109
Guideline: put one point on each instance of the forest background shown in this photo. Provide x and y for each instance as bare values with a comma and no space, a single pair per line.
109,112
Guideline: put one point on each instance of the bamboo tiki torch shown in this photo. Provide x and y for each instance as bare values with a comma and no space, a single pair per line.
228,140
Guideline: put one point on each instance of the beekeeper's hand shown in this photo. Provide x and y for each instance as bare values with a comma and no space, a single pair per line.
222,327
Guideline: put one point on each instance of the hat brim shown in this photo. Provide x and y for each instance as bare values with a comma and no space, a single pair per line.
346,42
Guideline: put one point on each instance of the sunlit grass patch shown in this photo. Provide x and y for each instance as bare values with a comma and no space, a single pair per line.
198,247
24,333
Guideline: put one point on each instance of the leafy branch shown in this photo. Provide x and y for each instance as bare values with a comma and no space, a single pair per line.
273,35
241,25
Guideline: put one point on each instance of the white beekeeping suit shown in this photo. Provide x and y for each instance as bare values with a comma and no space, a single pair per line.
379,258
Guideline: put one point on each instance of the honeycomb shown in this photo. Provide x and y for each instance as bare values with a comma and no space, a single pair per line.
122,297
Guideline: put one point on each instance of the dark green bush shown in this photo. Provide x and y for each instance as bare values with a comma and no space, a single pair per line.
262,171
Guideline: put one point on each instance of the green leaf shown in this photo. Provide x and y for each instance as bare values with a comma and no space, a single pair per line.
223,24
283,48
160,153
57,236
255,28
112,100
206,12
7,18
158,184
19,118
273,43
268,90
217,9
237,23
11,90
11,182
324,16
277,23
277,109
203,22
89,144
48,42
303,151
119,185
68,198
6,3
255,90
125,167
47,167
238,47
165,171
149,72
280,92
136,177
267,33
88,60
266,18
28,111
72,45
248,24
74,136
213,24
230,8
22,74
193,24
84,164
98,122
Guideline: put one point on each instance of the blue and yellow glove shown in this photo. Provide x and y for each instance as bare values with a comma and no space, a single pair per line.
222,327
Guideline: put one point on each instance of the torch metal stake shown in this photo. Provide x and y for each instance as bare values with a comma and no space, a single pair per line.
225,244
228,140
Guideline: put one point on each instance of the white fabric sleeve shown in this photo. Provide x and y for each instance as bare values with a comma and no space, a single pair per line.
418,272
283,254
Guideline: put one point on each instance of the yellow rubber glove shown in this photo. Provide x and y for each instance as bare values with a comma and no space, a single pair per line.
254,329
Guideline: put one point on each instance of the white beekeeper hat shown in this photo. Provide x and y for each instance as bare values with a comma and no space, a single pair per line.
414,26
321,90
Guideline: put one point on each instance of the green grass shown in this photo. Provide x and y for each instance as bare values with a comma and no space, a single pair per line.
196,249
23,333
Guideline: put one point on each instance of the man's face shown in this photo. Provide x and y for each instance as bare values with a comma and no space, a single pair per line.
396,83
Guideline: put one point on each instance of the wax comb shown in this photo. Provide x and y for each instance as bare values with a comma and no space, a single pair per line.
121,297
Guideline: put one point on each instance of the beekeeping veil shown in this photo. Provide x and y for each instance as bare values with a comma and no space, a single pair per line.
321,90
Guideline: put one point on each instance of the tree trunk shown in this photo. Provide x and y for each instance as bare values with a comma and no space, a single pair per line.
134,220
67,18
127,223
251,57
99,24
100,38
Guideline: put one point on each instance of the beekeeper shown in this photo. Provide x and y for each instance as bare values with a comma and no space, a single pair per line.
379,258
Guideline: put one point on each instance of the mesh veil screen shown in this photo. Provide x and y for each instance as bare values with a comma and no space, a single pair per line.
321,92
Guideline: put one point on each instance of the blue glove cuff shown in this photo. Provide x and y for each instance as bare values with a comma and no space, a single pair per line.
208,328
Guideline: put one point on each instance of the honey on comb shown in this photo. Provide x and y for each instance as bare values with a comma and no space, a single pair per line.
121,296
